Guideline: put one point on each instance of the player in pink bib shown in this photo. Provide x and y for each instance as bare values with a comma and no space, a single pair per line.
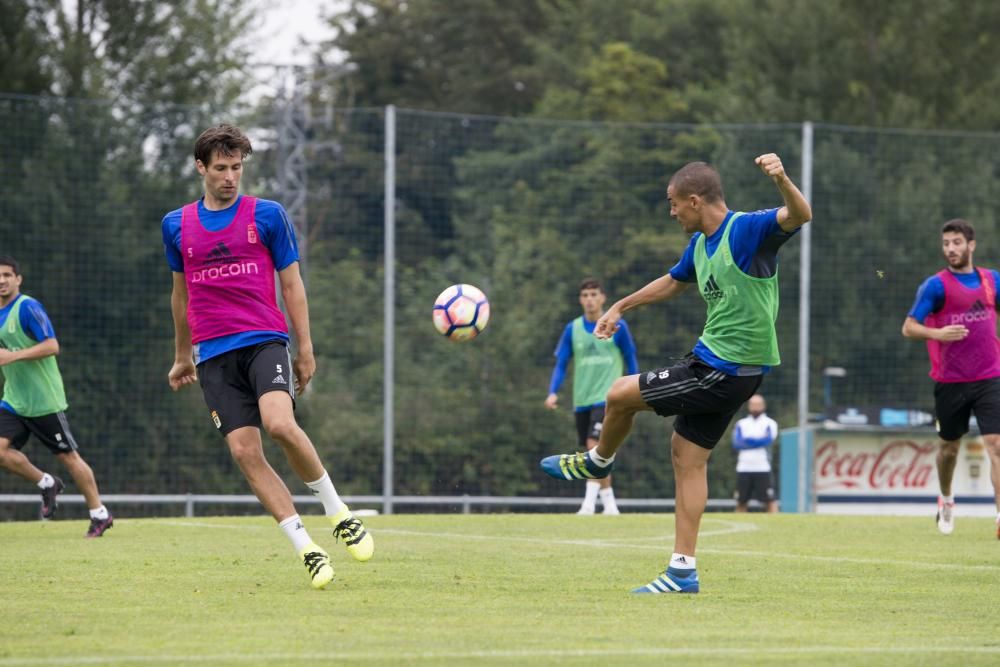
956,313
230,336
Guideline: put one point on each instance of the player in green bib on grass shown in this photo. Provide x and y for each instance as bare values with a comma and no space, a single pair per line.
596,365
733,258
34,402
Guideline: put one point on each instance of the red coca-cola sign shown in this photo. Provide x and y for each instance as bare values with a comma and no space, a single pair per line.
893,467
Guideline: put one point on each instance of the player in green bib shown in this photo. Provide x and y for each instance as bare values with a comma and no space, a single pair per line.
733,258
34,402
597,364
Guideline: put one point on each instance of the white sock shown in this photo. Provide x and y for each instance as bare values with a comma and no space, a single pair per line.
682,562
101,513
590,497
598,459
608,498
949,499
47,481
296,532
323,488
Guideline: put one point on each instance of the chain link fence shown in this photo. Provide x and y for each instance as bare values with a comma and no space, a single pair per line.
524,209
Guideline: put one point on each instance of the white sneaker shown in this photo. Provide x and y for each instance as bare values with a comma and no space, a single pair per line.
585,509
945,516
611,509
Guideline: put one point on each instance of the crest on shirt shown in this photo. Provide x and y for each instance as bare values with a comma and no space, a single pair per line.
251,234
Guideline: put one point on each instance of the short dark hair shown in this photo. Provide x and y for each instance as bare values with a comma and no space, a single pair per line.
591,283
7,260
963,227
698,178
226,139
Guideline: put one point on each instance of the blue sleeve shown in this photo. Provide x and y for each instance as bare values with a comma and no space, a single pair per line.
996,285
171,230
752,443
749,233
737,437
277,233
623,339
739,442
684,271
35,321
930,299
564,352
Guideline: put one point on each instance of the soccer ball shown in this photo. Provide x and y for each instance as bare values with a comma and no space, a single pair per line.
461,312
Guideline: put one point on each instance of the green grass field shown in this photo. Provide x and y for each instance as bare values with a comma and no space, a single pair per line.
502,590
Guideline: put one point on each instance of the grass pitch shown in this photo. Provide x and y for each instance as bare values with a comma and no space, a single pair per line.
502,590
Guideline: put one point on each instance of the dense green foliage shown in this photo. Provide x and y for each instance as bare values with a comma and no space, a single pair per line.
592,106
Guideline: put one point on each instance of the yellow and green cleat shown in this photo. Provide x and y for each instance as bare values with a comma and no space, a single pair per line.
357,539
317,562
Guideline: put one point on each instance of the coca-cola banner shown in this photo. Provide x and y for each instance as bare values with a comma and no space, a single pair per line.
878,469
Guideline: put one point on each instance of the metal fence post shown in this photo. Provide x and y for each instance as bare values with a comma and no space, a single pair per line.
389,335
805,281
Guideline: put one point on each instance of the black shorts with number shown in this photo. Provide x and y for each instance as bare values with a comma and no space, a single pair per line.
955,402
52,430
756,485
588,425
233,383
703,398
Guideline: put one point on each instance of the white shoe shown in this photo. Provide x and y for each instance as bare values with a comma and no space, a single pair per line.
945,516
585,509
611,509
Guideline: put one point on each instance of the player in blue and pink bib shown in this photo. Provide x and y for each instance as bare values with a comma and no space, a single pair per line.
230,335
956,313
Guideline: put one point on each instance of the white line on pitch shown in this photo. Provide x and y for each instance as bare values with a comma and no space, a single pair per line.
725,552
603,543
731,527
742,651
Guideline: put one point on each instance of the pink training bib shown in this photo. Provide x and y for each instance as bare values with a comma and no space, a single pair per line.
977,356
229,275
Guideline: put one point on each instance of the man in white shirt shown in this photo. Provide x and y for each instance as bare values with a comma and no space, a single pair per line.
752,437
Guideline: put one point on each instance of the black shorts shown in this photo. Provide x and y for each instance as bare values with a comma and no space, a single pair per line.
588,425
233,383
703,398
954,402
52,430
756,485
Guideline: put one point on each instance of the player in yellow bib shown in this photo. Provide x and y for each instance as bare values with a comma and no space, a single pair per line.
732,257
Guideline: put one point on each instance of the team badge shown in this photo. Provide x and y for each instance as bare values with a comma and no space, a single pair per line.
251,234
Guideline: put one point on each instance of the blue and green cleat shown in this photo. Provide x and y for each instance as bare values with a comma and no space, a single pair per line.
672,581
574,466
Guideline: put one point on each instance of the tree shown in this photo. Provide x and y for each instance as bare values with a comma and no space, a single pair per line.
89,172
465,56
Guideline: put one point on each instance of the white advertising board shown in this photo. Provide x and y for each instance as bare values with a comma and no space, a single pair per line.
872,472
